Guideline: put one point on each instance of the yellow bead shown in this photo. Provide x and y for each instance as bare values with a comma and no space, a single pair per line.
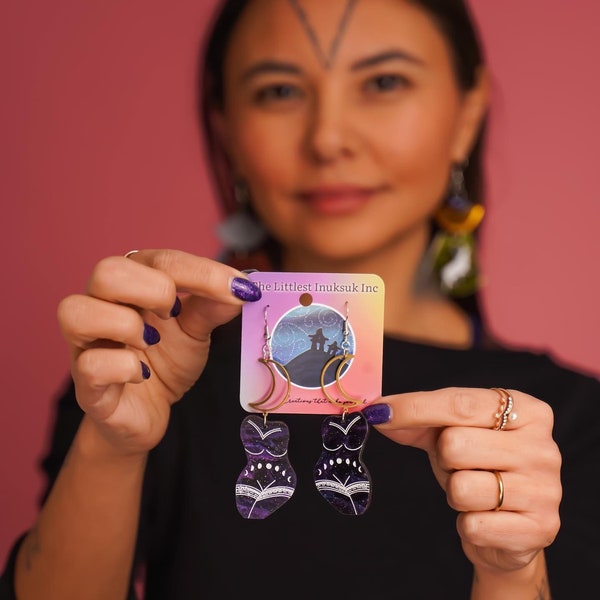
455,221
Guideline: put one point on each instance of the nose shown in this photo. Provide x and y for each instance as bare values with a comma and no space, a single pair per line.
329,134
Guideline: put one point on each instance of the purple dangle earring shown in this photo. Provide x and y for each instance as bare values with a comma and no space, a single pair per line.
340,474
268,480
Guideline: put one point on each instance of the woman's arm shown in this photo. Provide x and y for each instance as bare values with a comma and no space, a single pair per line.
136,348
501,476
528,583
83,543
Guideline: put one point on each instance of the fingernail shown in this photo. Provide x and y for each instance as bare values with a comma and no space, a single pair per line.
245,290
377,414
248,271
151,335
176,307
145,370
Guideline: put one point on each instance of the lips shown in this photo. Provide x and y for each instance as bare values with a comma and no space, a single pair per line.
337,200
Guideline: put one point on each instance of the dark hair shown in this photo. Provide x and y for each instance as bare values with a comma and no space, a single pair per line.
453,20
211,93
457,26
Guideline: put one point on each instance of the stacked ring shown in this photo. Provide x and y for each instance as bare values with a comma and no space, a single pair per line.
504,409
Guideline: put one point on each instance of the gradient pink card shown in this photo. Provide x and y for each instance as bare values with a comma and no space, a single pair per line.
319,325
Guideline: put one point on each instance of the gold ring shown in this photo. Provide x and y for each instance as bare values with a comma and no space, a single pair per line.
504,409
500,490
130,253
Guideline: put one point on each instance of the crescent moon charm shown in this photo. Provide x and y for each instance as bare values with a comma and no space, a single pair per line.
344,359
268,362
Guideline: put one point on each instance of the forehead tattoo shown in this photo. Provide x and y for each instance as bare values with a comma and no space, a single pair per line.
326,58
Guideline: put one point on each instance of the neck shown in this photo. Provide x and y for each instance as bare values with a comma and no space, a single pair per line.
414,312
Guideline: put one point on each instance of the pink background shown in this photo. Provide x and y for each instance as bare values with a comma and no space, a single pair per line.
100,154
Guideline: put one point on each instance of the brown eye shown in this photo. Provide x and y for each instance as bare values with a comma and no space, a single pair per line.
387,83
277,93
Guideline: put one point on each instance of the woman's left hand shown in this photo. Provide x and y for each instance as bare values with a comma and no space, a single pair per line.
456,427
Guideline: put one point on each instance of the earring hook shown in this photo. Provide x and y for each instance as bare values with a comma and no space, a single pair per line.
343,359
268,361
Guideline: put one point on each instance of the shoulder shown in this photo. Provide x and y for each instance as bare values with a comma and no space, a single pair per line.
410,365
541,373
573,395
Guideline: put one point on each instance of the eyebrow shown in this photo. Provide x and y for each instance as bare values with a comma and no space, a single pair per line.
275,66
376,59
270,66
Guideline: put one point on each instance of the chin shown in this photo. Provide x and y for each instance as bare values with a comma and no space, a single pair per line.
328,255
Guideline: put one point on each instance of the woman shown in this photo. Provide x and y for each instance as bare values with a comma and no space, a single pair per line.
341,123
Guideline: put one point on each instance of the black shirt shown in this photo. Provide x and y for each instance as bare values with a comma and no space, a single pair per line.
195,544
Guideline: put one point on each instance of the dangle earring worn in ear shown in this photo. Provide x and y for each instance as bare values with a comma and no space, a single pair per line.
268,479
241,232
339,474
453,247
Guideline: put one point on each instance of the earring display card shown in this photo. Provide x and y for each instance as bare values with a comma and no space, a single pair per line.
325,341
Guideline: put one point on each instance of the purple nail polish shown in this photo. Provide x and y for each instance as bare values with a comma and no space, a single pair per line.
245,290
145,370
176,307
151,335
377,414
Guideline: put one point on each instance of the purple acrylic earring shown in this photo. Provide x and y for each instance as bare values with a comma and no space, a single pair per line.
268,480
340,474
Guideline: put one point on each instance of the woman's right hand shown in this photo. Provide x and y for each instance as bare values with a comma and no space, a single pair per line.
125,379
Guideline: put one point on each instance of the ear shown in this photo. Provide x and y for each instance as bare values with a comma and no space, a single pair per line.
475,103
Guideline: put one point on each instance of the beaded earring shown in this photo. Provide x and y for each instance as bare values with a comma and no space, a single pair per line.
453,247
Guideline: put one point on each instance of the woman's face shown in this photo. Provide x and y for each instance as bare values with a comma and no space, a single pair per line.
344,120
